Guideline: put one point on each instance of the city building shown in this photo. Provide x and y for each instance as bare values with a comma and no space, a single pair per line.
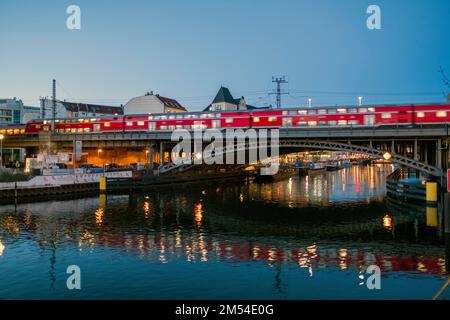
65,109
13,112
153,103
224,101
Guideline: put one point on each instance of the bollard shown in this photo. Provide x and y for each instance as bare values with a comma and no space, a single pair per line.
102,184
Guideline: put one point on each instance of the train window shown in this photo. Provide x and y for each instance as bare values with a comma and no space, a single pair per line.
73,130
179,116
179,126
10,131
303,112
342,122
441,114
255,119
322,111
386,115
353,110
140,123
93,120
3,131
292,113
150,117
371,109
16,131
353,122
420,114
188,127
163,117
331,111
45,121
86,129
157,117
194,116
312,123
362,110
163,127
171,127
285,113
272,119
80,130
22,131
217,115
129,123
322,123
203,116
312,112
171,117
228,120
332,123
38,126
107,124
342,110
302,123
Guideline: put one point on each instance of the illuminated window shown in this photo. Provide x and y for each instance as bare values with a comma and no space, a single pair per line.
107,124
150,118
86,130
312,112
302,123
229,120
312,123
342,110
386,115
371,109
353,122
303,112
353,110
163,127
292,113
285,113
332,123
420,114
322,111
171,117
180,116
80,130
256,119
331,111
272,119
322,123
129,123
441,114
141,123
342,122
362,110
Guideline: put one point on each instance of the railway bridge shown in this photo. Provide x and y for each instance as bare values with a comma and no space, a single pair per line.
420,147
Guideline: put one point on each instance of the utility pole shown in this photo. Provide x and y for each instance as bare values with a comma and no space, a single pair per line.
54,105
279,92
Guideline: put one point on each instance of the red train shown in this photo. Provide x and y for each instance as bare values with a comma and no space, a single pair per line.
355,116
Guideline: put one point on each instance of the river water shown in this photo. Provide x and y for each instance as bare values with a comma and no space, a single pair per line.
300,238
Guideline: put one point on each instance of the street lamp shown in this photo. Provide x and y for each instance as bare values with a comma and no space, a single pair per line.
309,102
1,150
360,101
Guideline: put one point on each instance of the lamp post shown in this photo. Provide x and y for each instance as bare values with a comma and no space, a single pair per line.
309,102
1,150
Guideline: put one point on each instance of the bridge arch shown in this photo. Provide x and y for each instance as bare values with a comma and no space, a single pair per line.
316,144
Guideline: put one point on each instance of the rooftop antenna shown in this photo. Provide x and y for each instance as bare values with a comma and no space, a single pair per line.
279,92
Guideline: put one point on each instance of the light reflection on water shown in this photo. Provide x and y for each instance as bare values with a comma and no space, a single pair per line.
304,237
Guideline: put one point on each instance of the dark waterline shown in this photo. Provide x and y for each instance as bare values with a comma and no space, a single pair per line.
302,238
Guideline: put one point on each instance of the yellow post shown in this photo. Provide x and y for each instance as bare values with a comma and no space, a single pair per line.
432,217
432,192
102,184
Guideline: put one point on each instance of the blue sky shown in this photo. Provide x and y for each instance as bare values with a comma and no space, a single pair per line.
187,49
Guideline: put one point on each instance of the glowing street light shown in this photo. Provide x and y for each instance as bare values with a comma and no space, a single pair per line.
387,156
309,102
360,101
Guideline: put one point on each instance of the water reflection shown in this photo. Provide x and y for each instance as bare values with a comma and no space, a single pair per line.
336,221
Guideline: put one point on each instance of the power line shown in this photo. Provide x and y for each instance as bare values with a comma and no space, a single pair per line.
279,81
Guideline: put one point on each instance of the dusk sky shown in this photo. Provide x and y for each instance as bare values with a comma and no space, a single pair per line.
188,49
